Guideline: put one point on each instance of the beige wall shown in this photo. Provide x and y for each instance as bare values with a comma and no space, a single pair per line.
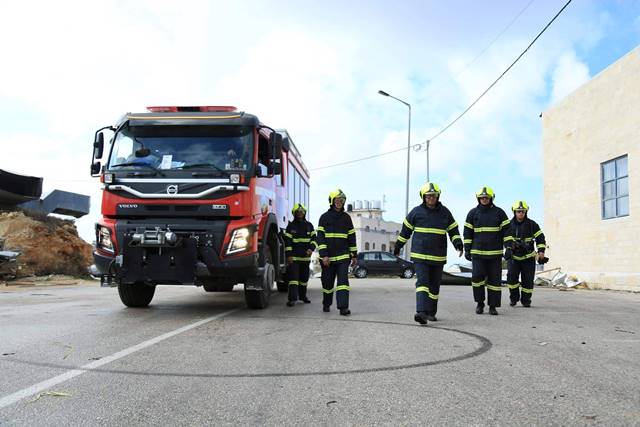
598,122
380,231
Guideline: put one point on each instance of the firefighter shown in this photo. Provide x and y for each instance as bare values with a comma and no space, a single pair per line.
299,238
528,245
336,240
486,231
431,221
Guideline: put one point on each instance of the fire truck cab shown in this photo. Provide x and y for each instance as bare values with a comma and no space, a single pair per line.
195,196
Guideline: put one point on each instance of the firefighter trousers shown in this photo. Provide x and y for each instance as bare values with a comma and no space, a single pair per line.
339,270
487,272
297,278
428,282
520,279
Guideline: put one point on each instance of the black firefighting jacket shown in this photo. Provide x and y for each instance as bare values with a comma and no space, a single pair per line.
528,238
298,238
429,244
486,231
336,237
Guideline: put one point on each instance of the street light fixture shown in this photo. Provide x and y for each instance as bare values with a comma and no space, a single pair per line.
406,204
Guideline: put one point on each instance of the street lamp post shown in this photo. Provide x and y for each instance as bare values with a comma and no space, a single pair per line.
428,142
406,203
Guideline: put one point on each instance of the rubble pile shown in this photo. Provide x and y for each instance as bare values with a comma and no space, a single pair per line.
558,279
47,245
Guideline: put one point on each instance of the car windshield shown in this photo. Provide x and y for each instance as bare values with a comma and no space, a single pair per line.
224,149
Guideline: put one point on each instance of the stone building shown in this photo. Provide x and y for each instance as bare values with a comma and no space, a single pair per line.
373,233
591,143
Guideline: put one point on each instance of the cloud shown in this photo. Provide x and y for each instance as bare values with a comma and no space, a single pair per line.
569,74
75,67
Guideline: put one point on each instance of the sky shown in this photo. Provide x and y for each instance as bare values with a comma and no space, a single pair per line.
313,68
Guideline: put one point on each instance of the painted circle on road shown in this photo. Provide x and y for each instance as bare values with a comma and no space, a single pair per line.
484,346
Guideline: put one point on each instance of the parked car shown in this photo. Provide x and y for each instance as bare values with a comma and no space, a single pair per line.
383,263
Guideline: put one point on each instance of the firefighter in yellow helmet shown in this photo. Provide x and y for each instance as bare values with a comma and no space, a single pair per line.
528,245
299,238
336,239
429,222
486,231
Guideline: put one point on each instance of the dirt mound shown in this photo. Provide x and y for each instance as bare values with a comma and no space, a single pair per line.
48,245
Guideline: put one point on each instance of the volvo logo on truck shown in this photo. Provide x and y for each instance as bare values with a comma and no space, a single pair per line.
172,189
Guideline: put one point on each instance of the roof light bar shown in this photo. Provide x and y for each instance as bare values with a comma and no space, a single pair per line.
206,108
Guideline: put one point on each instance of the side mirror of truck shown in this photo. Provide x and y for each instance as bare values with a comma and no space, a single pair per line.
275,168
286,144
98,146
95,168
275,143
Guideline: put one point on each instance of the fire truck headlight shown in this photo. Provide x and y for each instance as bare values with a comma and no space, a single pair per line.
103,240
240,241
234,178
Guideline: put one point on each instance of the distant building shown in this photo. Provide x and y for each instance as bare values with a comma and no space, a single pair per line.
591,142
373,233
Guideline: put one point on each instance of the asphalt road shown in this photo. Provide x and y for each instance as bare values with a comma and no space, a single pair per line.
76,356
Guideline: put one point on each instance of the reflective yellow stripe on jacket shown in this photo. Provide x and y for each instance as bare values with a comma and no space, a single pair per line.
479,252
430,230
429,257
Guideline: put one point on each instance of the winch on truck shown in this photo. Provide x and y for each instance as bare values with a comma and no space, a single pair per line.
195,196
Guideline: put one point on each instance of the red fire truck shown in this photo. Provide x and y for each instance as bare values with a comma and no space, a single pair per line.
195,196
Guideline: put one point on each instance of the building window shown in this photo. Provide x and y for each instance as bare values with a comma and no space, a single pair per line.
366,228
614,176
374,245
366,246
384,247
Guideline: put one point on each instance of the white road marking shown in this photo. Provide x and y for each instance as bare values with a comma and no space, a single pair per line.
44,385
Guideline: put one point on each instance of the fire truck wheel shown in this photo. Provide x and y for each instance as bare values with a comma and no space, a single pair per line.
259,299
136,295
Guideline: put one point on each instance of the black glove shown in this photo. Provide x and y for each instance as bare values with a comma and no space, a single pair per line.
508,254
396,250
467,256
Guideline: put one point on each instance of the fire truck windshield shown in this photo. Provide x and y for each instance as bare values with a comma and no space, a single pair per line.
224,149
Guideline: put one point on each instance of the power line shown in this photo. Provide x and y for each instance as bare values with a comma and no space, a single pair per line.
486,48
465,111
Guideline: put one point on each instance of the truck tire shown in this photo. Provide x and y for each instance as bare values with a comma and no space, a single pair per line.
259,299
136,295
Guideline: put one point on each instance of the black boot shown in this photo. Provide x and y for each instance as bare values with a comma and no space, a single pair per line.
325,308
493,311
432,318
421,317
345,312
305,300
480,308
291,303
512,303
526,304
